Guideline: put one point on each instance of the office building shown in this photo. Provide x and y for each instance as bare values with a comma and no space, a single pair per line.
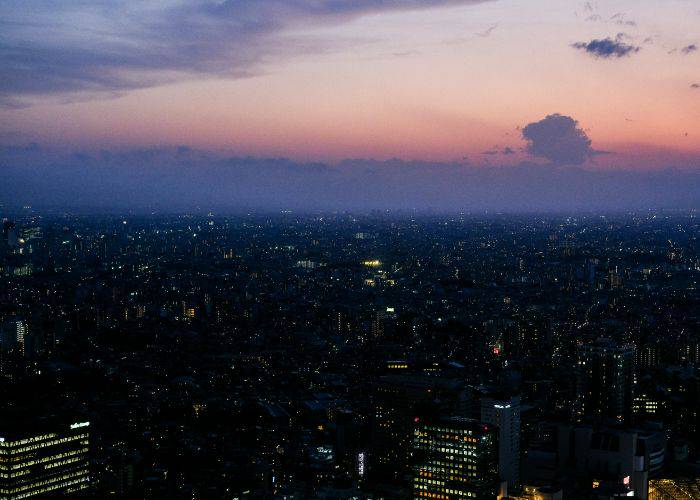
399,399
455,458
44,460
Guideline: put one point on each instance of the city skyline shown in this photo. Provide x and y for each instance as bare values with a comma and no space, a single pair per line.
350,356
350,249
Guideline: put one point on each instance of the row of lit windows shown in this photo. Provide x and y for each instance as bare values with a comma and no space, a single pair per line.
64,462
423,491
10,444
441,482
428,494
430,481
451,431
44,444
438,466
437,440
446,450
442,464
5,475
445,447
81,484
80,475
446,437
51,458
445,468
454,461
25,476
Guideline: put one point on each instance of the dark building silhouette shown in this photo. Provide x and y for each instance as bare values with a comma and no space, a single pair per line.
604,377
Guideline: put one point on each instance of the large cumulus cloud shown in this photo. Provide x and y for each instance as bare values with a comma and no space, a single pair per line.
559,139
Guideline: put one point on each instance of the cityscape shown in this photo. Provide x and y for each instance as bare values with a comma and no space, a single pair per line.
350,249
351,356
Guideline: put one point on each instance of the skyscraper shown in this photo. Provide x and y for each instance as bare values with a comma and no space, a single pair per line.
455,458
604,376
505,414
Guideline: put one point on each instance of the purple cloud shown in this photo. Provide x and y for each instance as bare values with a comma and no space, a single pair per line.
607,48
99,48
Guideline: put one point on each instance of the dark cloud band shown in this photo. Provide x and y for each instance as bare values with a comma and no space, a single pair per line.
185,178
93,47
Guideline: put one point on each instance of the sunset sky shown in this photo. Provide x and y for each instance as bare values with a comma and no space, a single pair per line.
326,80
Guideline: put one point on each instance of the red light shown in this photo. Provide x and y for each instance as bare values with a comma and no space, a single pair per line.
416,420
496,350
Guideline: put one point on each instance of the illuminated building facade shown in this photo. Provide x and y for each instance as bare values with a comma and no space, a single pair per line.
672,489
399,398
455,458
44,463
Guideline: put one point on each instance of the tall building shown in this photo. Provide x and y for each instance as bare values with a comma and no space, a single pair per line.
399,399
455,458
14,332
505,414
13,348
52,461
604,376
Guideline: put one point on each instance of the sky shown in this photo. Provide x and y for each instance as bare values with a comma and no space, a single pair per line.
448,101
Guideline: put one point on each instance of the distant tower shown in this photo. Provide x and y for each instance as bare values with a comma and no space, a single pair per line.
505,414
14,333
9,233
604,376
